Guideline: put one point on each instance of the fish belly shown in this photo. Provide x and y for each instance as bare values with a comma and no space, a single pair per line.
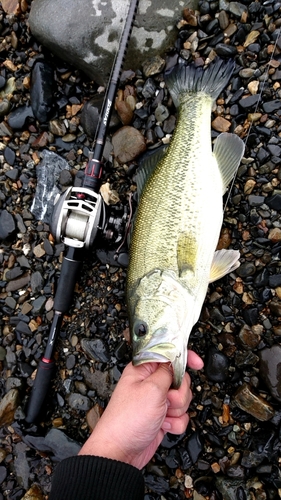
183,198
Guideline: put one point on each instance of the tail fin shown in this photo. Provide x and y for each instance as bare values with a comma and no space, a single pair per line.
212,80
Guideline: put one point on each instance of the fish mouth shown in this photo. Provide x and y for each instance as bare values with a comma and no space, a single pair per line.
163,352
159,349
160,353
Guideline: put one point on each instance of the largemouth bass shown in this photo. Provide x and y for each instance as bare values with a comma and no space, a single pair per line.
178,222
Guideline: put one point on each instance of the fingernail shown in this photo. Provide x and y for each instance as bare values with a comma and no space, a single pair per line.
166,426
168,403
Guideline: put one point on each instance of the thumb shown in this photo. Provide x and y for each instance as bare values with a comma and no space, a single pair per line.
163,377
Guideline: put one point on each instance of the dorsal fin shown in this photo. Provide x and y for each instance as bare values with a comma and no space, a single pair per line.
228,150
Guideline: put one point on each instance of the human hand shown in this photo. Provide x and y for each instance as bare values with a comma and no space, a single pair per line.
141,410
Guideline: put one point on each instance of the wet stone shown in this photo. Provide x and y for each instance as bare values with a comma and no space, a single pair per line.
70,362
17,118
153,66
246,269
7,225
79,402
275,307
251,315
96,349
274,201
252,403
248,337
38,305
216,365
41,93
256,200
128,143
274,280
271,106
249,102
8,405
9,155
61,445
194,446
36,282
270,369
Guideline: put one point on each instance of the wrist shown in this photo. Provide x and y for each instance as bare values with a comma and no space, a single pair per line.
96,445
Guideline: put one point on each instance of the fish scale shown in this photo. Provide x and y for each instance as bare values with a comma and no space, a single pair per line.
154,241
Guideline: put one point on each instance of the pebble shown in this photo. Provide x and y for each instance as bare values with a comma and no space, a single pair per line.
96,349
252,403
270,365
79,402
216,365
41,91
153,65
8,406
128,143
7,225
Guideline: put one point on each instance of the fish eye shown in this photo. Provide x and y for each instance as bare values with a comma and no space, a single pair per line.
140,328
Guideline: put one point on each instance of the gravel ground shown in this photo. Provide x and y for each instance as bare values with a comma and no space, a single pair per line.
48,110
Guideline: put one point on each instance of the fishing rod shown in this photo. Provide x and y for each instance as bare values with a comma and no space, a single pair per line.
78,215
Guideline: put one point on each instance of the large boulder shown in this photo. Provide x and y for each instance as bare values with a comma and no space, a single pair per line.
86,33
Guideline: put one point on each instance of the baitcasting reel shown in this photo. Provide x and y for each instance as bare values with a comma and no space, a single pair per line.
80,214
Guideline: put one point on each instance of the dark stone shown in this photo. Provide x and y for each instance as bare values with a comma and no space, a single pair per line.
249,102
41,92
222,49
7,225
37,282
271,106
3,473
18,117
14,273
159,485
274,201
38,305
2,82
270,369
171,440
9,155
262,278
194,446
255,200
251,316
96,349
70,362
263,155
12,174
274,280
246,269
216,365
23,328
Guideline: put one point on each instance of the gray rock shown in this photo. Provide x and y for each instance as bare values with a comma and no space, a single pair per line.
61,445
86,33
270,364
79,402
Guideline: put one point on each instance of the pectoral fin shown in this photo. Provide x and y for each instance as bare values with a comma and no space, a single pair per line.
224,262
228,150
147,165
186,255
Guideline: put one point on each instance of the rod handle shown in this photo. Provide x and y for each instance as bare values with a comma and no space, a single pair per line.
66,284
39,391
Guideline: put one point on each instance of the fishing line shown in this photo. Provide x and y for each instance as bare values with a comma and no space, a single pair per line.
255,111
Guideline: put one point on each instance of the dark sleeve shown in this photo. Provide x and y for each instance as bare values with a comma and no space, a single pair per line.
86,477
